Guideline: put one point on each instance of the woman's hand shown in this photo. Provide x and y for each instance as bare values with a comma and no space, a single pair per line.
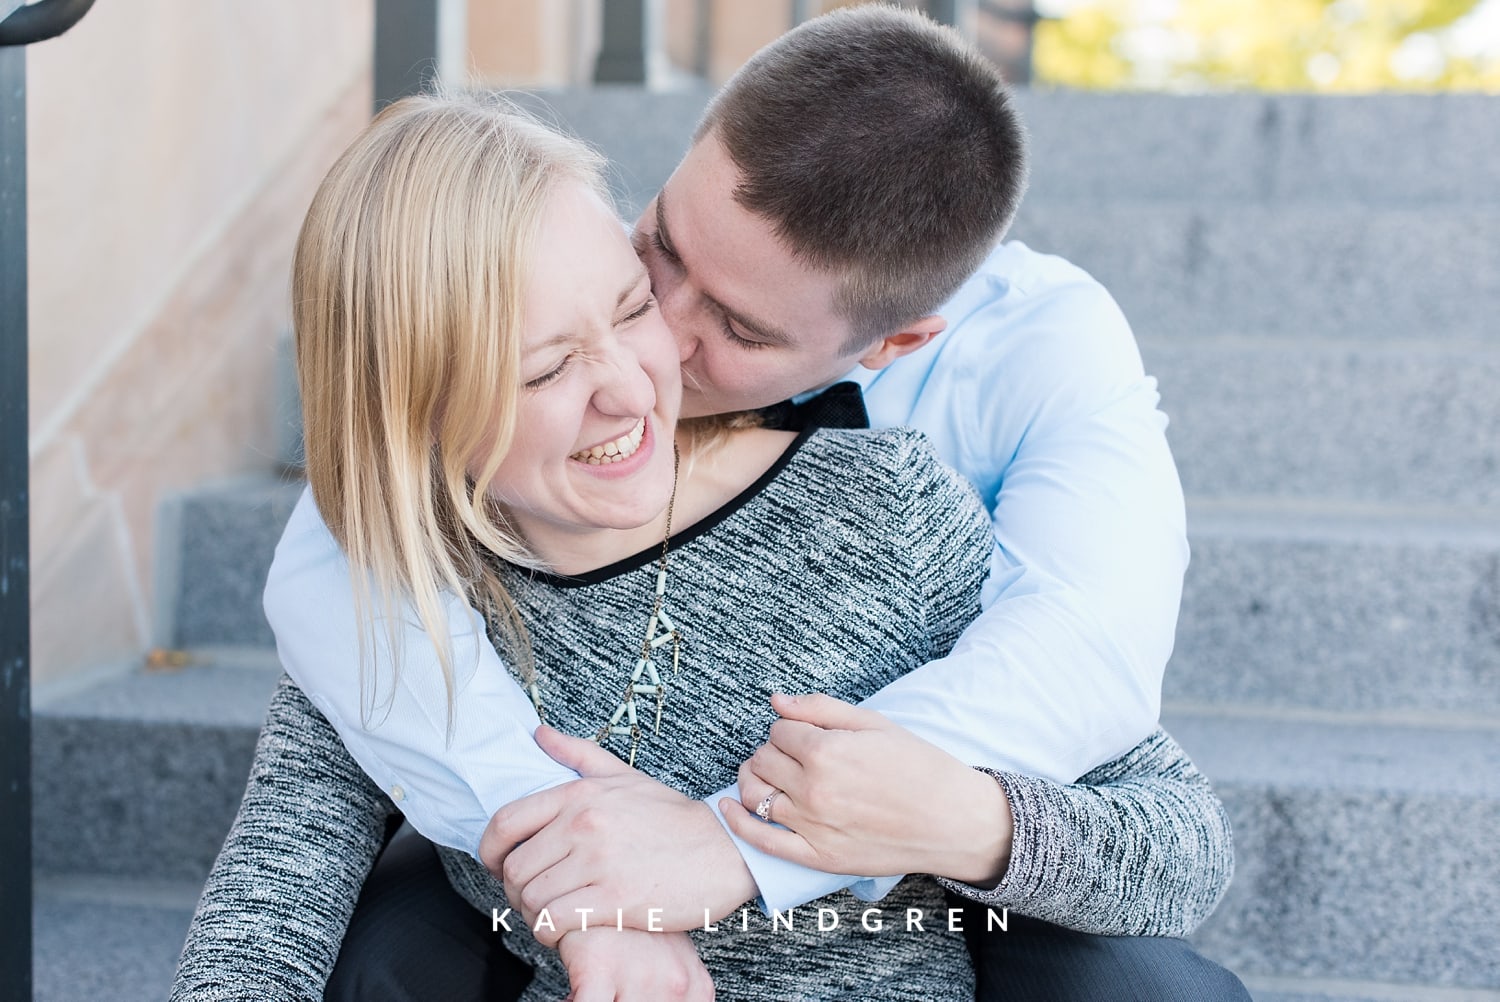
608,965
865,796
614,839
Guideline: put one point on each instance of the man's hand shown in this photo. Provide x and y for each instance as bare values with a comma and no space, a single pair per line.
608,965
863,795
614,839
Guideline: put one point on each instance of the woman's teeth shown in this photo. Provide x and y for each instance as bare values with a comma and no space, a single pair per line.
617,451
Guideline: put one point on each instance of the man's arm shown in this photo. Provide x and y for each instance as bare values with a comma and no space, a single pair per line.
394,719
1038,397
273,913
1041,401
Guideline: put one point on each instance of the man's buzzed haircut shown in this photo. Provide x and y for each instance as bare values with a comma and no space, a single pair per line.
882,147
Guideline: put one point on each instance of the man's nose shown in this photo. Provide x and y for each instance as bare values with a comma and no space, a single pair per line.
682,319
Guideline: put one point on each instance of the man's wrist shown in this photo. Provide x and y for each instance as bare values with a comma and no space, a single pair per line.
731,883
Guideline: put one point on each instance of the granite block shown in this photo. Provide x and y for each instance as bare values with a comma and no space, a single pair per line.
95,939
290,450
1363,852
644,134
1290,272
142,775
216,559
1339,612
1332,421
1113,148
1383,149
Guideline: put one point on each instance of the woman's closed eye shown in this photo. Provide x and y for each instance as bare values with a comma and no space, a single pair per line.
640,311
547,377
555,373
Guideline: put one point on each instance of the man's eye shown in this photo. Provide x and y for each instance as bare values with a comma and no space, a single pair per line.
663,249
740,341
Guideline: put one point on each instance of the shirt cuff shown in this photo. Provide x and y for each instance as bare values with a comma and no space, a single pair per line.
784,885
875,888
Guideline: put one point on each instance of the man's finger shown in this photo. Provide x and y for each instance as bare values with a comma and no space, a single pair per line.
559,891
518,821
827,712
527,862
579,754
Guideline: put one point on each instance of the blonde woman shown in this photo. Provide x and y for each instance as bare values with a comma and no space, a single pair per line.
491,406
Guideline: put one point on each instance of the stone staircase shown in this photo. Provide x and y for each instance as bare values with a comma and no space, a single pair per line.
1316,284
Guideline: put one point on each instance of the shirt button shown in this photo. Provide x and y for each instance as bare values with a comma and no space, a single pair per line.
398,794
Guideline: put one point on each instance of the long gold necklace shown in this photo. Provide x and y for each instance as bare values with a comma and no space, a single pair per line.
645,680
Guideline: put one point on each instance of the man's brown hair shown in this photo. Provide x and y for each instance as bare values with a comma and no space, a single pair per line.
883,147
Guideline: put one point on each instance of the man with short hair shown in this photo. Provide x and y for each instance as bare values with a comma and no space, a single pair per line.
839,215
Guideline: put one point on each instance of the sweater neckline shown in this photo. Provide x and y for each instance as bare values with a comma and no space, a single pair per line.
707,523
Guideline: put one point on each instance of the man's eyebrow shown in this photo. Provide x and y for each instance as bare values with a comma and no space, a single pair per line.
769,333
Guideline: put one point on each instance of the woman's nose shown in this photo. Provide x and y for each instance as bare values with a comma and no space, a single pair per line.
625,387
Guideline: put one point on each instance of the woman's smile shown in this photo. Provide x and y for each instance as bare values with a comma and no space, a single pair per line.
633,452
616,450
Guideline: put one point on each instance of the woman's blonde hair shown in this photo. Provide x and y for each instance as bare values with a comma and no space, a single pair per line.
406,303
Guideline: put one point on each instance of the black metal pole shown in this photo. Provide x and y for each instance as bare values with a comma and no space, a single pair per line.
406,48
22,26
15,544
625,43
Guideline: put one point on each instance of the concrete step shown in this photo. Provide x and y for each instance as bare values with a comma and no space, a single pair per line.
215,548
140,774
1391,424
1340,610
101,937
1363,852
1245,215
1331,608
1286,271
1394,423
1366,851
1113,148
1110,148
1263,989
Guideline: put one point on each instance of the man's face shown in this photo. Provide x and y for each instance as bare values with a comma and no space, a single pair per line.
754,324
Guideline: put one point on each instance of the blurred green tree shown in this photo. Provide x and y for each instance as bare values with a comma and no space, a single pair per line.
1285,45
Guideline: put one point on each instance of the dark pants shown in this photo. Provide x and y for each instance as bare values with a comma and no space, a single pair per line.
413,939
1035,961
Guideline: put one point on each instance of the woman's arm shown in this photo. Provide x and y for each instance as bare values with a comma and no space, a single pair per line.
1141,846
273,913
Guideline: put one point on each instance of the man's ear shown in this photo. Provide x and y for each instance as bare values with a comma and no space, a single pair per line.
911,337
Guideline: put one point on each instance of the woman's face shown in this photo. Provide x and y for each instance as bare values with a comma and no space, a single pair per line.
602,385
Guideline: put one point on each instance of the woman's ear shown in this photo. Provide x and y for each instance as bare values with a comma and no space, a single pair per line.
911,337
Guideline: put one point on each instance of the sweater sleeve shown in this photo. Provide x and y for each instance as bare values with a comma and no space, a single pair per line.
1140,846
278,899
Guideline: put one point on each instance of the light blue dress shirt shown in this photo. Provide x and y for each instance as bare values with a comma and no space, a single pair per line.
1037,394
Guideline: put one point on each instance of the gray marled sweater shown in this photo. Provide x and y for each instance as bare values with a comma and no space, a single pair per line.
882,580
